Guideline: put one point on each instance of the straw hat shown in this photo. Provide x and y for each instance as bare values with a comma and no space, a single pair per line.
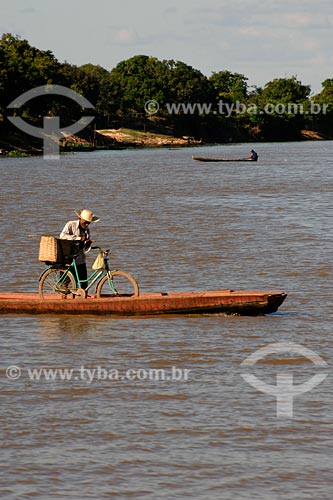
86,215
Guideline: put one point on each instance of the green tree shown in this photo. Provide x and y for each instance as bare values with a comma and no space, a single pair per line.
229,87
134,82
89,81
285,91
326,95
23,67
185,84
94,83
142,78
323,121
281,108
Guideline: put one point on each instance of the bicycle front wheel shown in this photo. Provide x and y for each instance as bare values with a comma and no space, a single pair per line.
117,284
52,283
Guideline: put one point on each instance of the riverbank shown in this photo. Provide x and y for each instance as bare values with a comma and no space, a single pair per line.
19,144
123,138
126,136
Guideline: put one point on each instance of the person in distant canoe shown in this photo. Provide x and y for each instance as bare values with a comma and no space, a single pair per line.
78,231
253,156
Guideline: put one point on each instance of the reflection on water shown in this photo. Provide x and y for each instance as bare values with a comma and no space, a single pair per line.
63,326
175,224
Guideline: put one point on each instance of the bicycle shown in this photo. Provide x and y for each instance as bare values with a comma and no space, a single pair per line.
64,280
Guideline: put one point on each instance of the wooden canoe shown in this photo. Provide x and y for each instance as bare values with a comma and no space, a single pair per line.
200,158
237,302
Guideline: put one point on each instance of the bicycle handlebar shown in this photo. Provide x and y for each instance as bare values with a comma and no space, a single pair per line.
106,252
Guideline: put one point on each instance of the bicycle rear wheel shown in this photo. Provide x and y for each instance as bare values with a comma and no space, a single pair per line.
120,285
49,283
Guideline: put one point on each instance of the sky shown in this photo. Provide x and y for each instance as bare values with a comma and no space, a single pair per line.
261,39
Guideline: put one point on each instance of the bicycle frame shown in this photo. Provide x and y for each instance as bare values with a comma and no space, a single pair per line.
90,281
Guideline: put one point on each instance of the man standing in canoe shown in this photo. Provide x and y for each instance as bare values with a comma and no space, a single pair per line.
253,156
78,231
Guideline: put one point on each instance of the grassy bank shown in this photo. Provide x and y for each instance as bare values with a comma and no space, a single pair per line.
126,136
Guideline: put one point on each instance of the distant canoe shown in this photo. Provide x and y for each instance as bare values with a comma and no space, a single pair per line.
199,158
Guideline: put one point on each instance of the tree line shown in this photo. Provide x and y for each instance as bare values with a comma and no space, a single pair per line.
167,93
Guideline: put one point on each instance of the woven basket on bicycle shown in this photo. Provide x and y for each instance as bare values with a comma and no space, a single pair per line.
55,251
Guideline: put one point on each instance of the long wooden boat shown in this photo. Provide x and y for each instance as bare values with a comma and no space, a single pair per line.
200,158
237,302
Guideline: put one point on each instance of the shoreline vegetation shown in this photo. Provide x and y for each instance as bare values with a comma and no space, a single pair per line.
108,139
145,102
20,145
